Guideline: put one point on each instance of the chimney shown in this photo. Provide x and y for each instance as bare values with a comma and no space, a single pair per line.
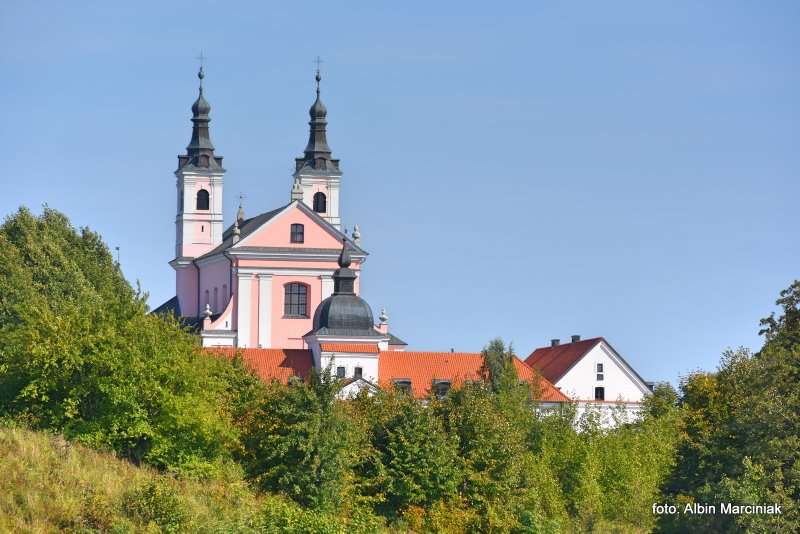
576,338
555,342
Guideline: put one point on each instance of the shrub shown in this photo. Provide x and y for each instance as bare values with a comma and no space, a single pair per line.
156,502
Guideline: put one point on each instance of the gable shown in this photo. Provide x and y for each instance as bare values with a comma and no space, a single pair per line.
276,231
619,378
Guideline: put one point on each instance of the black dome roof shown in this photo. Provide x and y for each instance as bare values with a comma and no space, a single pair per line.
344,313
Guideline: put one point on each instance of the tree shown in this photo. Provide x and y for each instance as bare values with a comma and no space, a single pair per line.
498,366
420,463
80,355
742,431
298,440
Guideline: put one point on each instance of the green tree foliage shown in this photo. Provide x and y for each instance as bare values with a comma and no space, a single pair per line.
498,368
505,482
299,441
741,432
80,355
419,463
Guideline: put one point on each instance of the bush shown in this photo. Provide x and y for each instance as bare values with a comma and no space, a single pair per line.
156,502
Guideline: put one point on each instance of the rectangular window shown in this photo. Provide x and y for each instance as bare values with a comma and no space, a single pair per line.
441,387
599,367
599,393
358,372
297,233
295,300
403,386
340,372
599,376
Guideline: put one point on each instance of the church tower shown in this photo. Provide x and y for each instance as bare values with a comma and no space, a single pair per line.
317,177
198,224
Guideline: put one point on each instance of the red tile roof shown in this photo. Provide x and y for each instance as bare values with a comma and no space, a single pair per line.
274,364
422,368
554,362
363,348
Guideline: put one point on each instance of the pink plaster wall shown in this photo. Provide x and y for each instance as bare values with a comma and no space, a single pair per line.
288,332
215,275
197,237
254,312
277,233
186,290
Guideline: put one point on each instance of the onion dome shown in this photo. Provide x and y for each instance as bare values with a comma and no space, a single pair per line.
318,109
344,313
200,152
317,154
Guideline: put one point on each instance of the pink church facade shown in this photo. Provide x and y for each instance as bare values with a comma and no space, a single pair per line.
282,286
257,283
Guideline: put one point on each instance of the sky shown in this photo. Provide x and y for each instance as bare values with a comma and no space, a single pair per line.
528,170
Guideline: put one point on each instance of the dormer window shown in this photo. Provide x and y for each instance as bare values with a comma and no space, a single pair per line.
320,202
599,371
441,388
358,372
202,199
403,385
297,233
340,372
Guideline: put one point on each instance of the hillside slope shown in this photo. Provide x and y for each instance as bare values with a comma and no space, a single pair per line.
50,485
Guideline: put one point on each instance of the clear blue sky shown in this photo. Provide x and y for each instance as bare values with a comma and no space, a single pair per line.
527,170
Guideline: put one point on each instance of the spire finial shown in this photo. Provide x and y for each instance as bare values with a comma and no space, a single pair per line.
356,235
318,77
383,318
344,257
240,213
201,73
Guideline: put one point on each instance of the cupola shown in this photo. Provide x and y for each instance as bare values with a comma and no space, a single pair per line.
344,313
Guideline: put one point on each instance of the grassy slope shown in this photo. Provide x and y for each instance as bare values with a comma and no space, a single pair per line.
49,485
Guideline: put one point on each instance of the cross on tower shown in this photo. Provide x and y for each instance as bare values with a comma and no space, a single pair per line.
318,62
201,74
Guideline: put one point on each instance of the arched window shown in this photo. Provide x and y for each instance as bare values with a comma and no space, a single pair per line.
202,199
295,300
216,301
320,203
297,233
207,302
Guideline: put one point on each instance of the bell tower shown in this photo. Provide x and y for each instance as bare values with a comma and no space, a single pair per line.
198,223
317,178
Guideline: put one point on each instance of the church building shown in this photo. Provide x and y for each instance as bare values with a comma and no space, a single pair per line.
282,286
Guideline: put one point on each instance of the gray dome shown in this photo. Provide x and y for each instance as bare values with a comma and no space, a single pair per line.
201,106
318,109
345,314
